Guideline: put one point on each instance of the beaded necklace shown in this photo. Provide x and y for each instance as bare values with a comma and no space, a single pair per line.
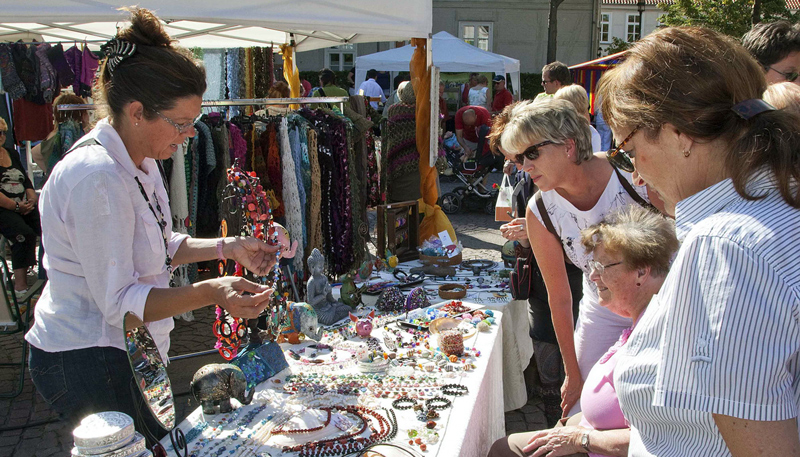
162,224
246,210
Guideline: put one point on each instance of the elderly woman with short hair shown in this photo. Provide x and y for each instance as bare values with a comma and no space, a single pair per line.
631,255
578,189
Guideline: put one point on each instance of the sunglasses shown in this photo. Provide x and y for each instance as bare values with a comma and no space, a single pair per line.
790,76
532,153
619,158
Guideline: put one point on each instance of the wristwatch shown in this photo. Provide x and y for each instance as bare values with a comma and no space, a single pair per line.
585,441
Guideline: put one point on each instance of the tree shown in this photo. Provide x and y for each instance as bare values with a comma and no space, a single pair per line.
731,17
617,45
552,30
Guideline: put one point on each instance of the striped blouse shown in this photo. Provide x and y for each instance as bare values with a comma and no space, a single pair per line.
723,334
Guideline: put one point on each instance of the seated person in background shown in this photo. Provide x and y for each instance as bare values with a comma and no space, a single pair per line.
19,217
631,256
577,95
783,95
776,47
68,126
278,90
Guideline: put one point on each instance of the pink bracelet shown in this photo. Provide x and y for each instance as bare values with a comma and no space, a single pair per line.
220,243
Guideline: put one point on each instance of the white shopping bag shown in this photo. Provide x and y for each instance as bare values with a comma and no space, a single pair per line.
503,207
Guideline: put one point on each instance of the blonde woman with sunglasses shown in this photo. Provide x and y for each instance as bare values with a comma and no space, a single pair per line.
552,143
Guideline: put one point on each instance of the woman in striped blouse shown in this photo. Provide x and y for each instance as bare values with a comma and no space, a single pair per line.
713,366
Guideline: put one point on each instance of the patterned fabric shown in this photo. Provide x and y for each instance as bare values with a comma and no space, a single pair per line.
48,78
11,82
214,62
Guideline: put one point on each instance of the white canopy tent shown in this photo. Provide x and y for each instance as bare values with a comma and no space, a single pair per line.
450,54
216,24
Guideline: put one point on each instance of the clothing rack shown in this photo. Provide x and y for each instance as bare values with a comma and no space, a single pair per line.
241,102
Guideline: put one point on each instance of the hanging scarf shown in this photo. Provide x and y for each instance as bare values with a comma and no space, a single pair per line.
315,203
291,196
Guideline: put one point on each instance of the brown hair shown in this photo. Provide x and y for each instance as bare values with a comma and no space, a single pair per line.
279,90
157,74
691,77
499,123
60,116
643,238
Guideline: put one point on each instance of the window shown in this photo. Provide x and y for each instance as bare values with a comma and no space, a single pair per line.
605,27
340,58
634,30
478,34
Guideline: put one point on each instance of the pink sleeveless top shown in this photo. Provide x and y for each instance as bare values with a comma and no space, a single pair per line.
599,401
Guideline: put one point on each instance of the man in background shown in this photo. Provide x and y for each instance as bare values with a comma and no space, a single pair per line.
370,88
554,76
502,97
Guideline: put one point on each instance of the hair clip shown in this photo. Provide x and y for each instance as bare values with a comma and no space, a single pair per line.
117,50
751,108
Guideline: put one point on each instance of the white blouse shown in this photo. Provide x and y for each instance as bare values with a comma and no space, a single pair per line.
723,334
104,250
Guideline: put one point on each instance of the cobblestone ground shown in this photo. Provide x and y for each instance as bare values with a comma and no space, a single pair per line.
29,428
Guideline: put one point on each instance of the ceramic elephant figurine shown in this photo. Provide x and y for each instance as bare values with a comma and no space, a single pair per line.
216,383
300,320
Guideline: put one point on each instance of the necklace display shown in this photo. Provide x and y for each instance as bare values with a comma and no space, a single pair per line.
246,212
352,441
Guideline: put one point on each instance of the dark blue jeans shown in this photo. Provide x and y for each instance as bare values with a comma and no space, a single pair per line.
85,381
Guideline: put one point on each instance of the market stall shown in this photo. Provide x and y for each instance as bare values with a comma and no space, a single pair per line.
450,54
588,74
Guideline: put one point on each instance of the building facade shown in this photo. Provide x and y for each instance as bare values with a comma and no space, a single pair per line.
514,28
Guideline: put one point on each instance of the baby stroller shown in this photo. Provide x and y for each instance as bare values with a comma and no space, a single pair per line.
473,194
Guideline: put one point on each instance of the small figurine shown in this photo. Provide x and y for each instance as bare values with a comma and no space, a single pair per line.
215,384
319,295
363,325
350,294
301,323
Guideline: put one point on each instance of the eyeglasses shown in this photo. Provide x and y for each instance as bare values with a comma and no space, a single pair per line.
180,127
599,267
621,158
790,76
532,153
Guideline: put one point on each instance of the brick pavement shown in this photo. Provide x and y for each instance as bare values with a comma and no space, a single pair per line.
476,230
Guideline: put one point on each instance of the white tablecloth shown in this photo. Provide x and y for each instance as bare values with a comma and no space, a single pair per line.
468,427
517,343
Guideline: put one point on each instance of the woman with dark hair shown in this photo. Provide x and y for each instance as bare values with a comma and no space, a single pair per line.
713,366
107,230
19,218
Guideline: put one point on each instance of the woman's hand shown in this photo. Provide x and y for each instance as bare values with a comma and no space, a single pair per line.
252,253
515,230
570,392
240,297
26,207
556,441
